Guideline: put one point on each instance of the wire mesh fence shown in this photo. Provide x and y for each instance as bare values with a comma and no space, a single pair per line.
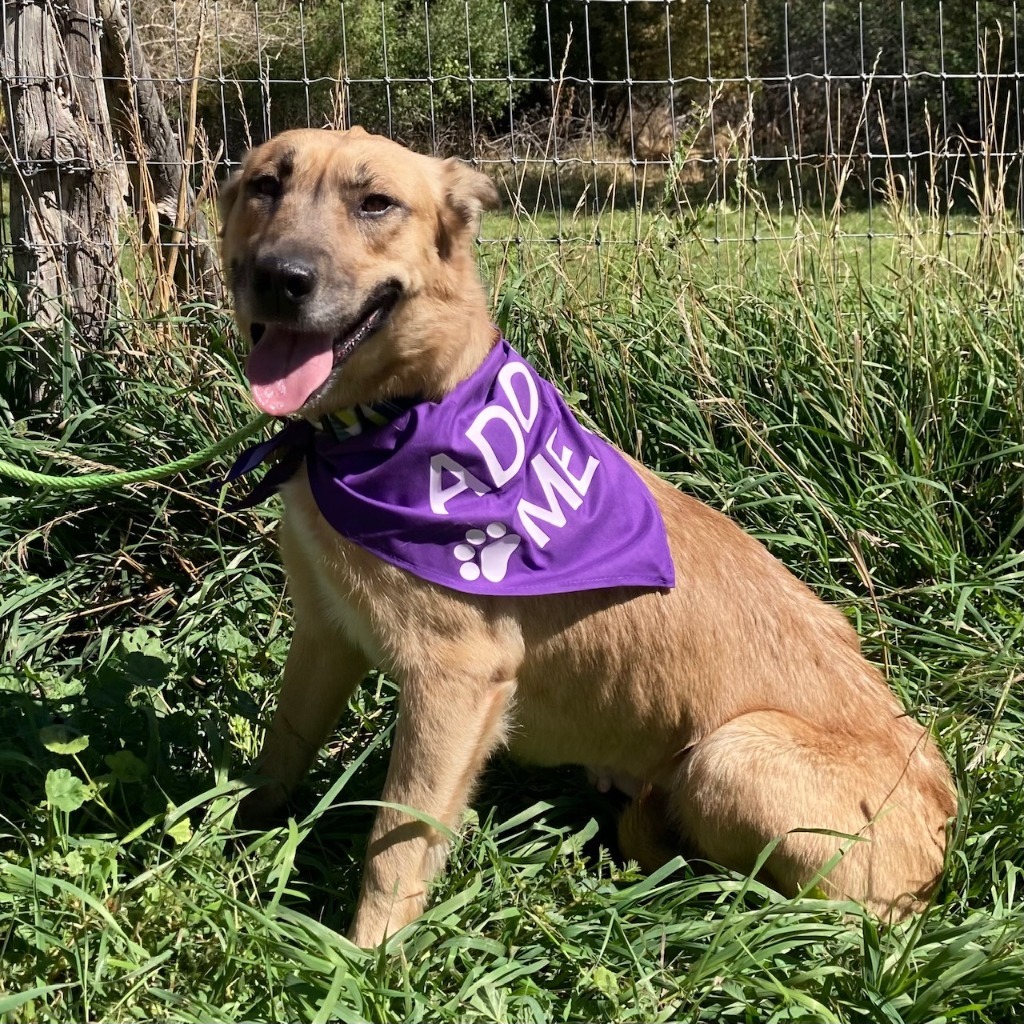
736,117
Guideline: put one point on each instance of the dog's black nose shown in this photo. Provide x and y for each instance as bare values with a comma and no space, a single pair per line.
282,283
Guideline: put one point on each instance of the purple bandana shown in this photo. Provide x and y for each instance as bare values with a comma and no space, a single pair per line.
495,489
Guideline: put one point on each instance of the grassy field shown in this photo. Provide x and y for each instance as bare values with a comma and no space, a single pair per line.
859,408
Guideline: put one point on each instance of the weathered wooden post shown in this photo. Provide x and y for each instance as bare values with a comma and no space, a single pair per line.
66,197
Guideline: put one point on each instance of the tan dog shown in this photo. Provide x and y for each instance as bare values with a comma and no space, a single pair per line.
736,708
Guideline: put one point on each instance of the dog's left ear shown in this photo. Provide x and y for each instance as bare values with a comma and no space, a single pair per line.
226,196
467,193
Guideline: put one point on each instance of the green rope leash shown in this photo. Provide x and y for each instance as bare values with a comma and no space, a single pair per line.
103,481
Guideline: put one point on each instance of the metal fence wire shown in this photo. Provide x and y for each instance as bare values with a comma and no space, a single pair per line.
583,109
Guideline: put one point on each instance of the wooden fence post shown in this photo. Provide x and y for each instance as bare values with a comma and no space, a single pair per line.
66,193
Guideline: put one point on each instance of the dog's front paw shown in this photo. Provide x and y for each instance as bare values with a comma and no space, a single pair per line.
382,913
365,937
263,808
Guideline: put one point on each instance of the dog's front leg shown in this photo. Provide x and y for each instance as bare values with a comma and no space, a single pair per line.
446,730
320,675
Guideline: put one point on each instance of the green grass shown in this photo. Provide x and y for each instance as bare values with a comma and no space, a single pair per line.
870,431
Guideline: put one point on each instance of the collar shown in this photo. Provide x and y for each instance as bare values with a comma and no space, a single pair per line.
351,422
289,446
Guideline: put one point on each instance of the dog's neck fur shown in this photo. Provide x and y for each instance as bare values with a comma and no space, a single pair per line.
454,325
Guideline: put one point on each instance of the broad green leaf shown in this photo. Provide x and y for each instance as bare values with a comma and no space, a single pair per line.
126,767
64,791
606,982
75,863
181,830
63,739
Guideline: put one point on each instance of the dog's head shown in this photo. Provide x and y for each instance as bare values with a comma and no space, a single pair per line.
350,263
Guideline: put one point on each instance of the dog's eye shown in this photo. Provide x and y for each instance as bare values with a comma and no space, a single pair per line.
265,185
376,204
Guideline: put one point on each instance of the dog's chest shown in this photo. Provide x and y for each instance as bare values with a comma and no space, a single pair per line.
335,576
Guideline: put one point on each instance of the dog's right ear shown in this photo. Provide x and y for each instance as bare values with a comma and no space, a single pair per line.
226,196
467,193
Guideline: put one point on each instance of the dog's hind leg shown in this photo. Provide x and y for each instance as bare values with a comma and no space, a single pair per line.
768,775
645,833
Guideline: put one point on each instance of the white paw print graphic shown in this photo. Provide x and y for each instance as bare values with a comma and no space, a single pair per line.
493,556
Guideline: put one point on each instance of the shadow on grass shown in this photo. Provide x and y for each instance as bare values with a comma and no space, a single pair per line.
131,733
329,862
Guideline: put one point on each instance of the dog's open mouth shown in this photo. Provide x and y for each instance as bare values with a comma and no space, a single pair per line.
287,367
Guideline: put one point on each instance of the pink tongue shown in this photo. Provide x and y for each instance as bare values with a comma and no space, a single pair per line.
285,368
